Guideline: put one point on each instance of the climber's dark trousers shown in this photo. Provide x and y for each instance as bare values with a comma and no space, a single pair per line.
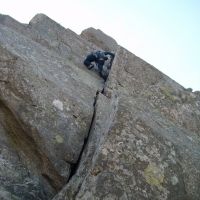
100,65
100,68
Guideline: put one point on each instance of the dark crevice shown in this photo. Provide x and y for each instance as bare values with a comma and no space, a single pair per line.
74,167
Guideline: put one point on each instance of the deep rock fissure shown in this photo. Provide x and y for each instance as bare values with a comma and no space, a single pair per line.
74,167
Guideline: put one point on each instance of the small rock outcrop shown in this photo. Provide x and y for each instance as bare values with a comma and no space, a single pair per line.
65,134
100,39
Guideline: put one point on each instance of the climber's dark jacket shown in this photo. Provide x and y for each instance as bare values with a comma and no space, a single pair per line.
90,58
98,57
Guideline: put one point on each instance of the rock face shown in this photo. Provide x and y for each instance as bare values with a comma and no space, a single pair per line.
138,139
150,149
100,39
46,102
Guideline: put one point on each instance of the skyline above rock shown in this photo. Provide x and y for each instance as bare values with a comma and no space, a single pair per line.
163,33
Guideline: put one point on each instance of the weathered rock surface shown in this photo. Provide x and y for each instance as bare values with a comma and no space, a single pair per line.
53,36
143,152
100,39
140,141
17,180
46,105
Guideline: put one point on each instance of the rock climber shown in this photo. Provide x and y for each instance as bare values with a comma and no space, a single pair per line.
98,58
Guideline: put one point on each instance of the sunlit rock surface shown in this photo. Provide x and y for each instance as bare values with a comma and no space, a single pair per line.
65,134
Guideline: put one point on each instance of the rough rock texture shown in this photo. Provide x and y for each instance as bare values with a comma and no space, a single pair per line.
148,147
139,139
46,105
100,39
53,36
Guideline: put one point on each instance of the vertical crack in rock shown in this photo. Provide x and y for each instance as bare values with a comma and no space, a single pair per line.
74,167
104,113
